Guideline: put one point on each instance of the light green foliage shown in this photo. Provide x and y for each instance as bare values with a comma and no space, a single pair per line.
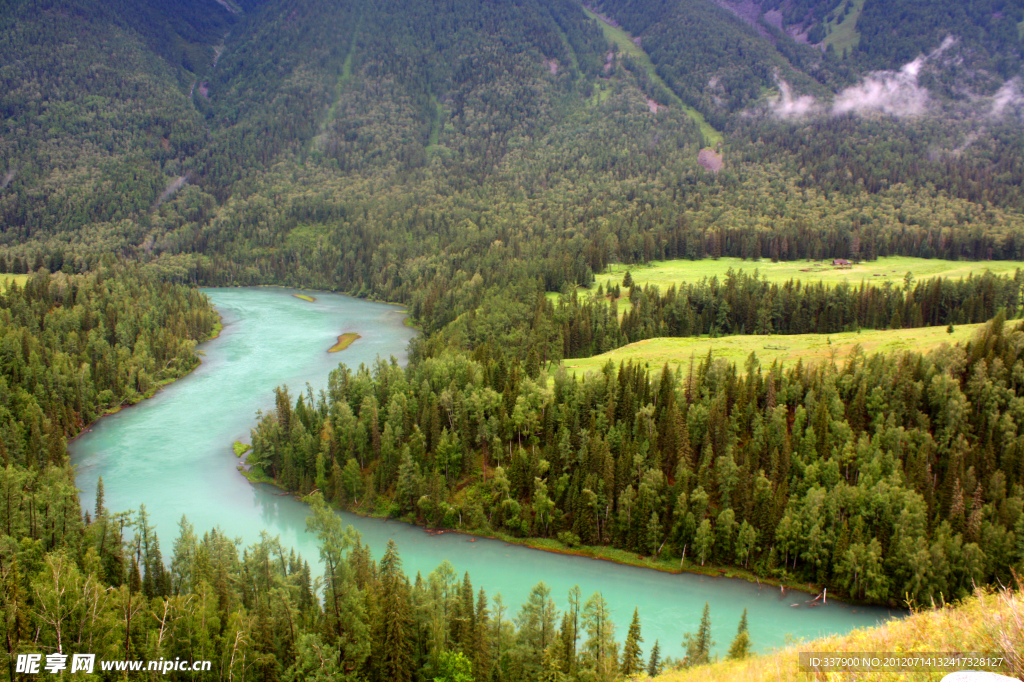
740,647
453,666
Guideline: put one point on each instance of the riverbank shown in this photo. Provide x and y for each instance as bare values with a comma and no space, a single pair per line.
158,385
600,553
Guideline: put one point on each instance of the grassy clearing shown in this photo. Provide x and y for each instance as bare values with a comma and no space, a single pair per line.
625,43
786,349
985,623
304,297
435,127
664,273
344,341
843,35
6,280
601,93
307,235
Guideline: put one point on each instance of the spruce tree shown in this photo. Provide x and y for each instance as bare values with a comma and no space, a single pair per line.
632,656
740,647
698,646
395,629
100,510
654,665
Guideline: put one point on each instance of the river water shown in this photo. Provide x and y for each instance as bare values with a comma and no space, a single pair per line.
173,453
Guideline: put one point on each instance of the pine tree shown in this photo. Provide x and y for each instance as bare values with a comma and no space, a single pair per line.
632,656
100,510
704,541
134,578
627,281
393,643
740,647
698,646
654,665
482,640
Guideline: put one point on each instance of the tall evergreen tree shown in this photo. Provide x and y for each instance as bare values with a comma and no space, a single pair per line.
395,633
654,664
698,646
632,656
740,646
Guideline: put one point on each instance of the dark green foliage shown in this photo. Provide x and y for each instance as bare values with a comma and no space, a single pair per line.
832,469
74,346
654,664
464,159
632,656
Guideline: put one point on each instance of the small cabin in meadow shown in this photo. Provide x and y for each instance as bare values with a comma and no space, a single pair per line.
842,262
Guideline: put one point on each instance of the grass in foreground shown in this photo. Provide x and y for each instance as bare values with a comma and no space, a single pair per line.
784,348
344,341
987,622
625,43
304,297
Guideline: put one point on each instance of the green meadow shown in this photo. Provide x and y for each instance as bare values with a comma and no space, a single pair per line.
664,273
786,349
843,34
6,280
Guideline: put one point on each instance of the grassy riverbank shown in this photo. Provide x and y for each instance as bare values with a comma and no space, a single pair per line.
987,622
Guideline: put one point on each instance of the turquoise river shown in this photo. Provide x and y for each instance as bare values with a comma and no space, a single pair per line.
173,453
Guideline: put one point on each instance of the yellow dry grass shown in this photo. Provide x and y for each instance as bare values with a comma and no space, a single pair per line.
989,622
